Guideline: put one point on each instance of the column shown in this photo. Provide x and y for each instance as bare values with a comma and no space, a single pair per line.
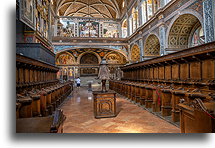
120,29
209,20
55,26
128,27
162,36
141,49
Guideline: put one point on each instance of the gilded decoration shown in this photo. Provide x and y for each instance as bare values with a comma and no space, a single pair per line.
65,59
152,47
180,31
135,54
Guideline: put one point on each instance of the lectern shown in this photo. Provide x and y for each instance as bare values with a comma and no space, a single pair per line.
104,104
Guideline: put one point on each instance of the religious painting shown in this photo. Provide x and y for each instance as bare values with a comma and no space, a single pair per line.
89,58
114,58
110,30
64,59
89,71
66,28
27,12
89,29
198,37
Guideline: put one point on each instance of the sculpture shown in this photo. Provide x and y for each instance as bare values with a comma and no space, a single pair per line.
104,74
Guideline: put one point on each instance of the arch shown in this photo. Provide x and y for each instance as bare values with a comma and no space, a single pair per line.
135,53
98,59
181,26
115,58
65,58
119,51
152,46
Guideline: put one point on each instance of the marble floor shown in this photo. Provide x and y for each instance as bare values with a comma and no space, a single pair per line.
130,118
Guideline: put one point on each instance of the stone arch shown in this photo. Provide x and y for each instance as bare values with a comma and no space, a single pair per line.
65,58
135,53
91,56
111,49
152,46
115,58
178,34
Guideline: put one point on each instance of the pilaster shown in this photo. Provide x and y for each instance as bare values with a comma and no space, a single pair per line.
209,20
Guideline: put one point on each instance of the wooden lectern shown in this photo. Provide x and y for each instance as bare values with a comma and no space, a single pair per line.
104,104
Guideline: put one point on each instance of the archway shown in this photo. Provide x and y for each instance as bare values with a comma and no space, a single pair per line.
89,58
185,28
135,53
152,46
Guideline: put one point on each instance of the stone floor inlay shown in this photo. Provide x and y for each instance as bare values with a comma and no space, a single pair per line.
78,110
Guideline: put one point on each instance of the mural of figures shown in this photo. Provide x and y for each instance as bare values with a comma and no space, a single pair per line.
66,28
65,59
89,29
89,58
115,58
198,37
110,30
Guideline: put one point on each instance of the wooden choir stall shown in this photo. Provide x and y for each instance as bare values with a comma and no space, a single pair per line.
38,95
180,85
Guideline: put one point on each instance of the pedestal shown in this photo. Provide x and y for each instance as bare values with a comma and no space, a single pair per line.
104,104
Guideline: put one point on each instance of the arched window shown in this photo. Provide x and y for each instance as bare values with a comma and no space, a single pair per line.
152,46
156,5
124,28
144,16
149,8
130,25
135,53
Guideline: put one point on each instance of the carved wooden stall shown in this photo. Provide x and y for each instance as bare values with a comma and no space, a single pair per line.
166,81
39,93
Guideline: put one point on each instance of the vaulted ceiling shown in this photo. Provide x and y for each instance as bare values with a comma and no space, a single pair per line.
88,8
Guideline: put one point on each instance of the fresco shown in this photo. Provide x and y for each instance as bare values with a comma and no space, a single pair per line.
64,59
110,30
89,29
198,37
66,28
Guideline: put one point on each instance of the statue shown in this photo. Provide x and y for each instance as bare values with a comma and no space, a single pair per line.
104,74
118,73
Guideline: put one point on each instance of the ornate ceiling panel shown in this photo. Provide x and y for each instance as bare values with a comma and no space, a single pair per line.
180,31
88,8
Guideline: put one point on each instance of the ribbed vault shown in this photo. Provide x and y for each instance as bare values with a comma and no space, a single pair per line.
88,8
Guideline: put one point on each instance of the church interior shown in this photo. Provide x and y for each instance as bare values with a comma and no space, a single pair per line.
145,66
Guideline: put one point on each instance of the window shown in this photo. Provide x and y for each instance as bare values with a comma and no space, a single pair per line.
143,7
149,9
